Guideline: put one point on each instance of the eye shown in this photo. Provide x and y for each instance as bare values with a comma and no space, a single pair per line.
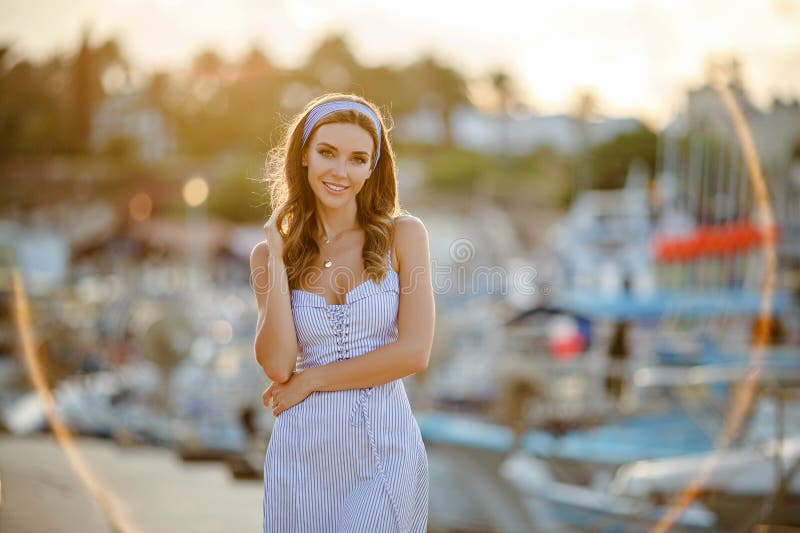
325,152
360,159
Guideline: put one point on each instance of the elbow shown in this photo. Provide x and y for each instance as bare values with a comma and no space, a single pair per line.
417,353
274,372
421,359
277,375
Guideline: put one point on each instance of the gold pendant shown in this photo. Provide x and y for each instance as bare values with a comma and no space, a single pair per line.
328,263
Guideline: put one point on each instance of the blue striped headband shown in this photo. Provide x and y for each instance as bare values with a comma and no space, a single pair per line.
340,105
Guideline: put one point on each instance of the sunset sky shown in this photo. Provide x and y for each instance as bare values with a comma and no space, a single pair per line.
638,56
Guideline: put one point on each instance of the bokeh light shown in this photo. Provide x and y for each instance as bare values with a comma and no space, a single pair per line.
195,191
140,206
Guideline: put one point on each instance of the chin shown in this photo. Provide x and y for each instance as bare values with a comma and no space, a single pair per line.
333,201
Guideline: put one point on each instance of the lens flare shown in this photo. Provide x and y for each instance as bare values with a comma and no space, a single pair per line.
105,499
744,395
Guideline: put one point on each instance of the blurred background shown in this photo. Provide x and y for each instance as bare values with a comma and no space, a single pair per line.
618,337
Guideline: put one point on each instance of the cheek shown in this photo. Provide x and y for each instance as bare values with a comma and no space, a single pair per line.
316,164
357,186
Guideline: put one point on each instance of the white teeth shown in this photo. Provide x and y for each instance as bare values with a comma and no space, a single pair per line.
334,187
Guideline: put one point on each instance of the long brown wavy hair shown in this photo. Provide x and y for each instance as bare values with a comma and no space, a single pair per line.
294,202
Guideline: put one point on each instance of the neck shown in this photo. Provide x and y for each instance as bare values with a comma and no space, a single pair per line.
334,221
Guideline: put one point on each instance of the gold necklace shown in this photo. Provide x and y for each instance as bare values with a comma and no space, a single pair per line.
329,260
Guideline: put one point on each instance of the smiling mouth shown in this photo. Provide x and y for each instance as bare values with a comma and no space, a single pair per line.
333,187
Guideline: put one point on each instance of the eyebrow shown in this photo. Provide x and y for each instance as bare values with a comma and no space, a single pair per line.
323,143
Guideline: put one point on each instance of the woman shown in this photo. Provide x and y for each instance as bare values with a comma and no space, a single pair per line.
346,310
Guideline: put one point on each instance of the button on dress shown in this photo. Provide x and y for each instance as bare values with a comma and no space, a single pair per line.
352,460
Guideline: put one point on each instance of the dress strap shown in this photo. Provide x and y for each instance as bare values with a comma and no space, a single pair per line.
390,257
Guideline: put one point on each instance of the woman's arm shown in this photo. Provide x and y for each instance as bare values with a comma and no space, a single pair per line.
415,323
276,339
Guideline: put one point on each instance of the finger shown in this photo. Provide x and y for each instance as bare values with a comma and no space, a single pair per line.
270,398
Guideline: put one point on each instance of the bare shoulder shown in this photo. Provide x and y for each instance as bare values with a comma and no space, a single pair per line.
259,255
411,239
409,228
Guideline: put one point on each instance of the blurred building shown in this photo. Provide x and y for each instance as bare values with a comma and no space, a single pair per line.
125,122
603,245
503,134
41,256
776,129
43,244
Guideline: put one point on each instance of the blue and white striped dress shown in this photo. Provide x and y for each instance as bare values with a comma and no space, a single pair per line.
352,460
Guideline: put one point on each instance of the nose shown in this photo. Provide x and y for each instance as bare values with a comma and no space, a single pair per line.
340,168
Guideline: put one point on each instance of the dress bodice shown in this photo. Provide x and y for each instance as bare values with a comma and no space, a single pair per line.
331,332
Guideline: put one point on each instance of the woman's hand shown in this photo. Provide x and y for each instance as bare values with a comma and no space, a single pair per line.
274,238
286,395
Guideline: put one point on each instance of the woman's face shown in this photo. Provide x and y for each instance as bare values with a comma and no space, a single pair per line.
339,159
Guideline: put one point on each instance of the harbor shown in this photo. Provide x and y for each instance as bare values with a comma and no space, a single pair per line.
617,329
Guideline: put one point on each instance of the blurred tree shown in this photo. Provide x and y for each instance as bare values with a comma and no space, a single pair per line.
452,169
508,100
55,74
32,107
583,109
585,105
156,92
240,195
88,68
199,119
332,66
121,148
253,101
611,160
435,85
255,65
501,83
83,94
207,64
107,56
386,87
